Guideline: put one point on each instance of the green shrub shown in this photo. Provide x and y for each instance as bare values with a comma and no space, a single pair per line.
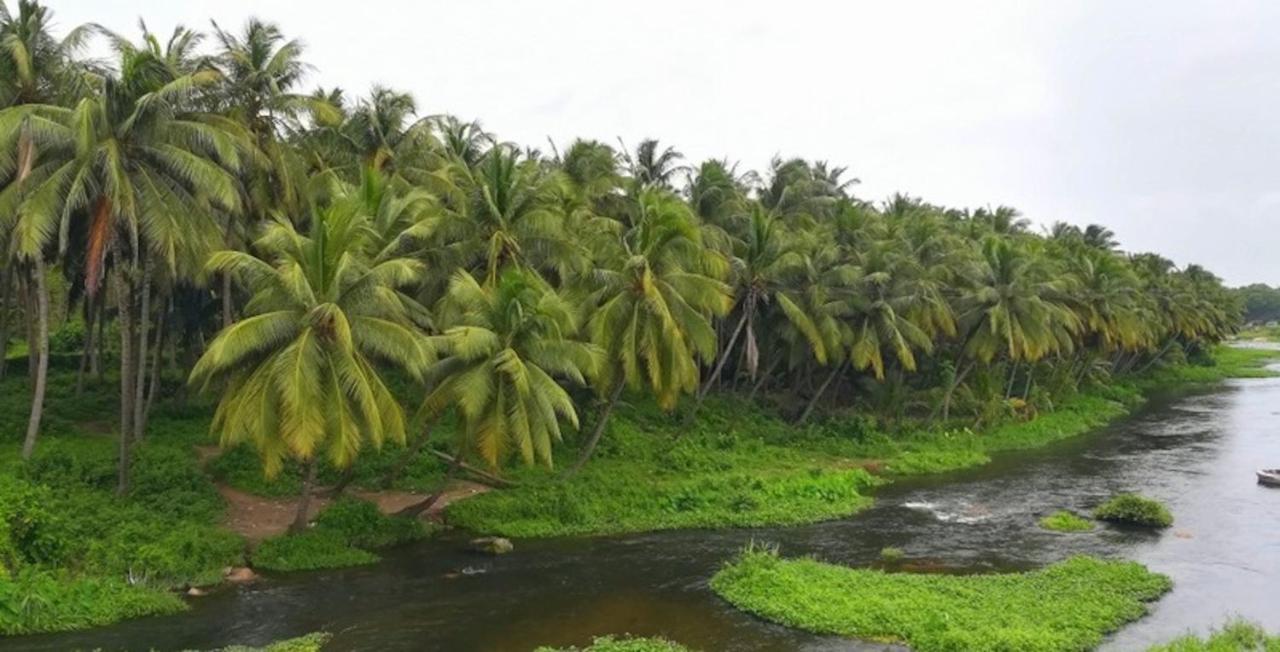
41,601
310,550
1235,636
30,533
623,644
64,462
361,524
167,481
1133,509
1064,521
164,554
68,338
1066,606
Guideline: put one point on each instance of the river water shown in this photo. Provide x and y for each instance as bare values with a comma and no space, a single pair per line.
1197,452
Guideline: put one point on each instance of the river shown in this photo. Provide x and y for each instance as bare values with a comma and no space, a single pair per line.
1196,451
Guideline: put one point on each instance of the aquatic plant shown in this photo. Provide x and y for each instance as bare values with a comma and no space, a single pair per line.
1069,605
623,644
1133,509
1064,521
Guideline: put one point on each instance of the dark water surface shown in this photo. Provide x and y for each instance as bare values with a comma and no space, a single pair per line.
1197,452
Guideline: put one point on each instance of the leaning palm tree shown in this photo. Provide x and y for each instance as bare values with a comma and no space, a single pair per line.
654,308
299,375
504,364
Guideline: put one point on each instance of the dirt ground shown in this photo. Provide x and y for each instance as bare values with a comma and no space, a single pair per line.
258,517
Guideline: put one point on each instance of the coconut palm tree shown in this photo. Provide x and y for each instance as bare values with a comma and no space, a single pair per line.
299,376
504,363
653,308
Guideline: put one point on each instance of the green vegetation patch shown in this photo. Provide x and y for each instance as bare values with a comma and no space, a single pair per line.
343,535
623,644
721,471
1067,606
1064,521
1133,509
309,643
33,601
1235,636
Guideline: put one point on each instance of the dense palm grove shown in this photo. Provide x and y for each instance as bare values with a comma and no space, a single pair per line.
297,250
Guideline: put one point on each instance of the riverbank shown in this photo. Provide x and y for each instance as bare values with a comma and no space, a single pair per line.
740,466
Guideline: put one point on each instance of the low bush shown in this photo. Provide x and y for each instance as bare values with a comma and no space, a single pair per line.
1064,521
1067,606
310,550
1235,636
1132,509
343,535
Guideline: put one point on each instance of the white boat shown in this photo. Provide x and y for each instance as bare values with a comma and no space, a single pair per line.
1269,477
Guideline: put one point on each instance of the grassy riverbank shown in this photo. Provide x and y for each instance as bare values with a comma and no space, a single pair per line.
1235,636
739,465
73,554
1067,606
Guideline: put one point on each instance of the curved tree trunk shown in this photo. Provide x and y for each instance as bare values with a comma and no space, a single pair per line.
595,434
715,373
41,350
813,402
768,373
416,509
398,467
951,389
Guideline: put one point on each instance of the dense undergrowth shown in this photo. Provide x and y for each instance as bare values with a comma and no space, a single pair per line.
344,534
1066,606
1131,509
1064,521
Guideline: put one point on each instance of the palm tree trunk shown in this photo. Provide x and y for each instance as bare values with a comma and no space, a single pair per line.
1168,345
6,294
41,346
951,389
768,374
1026,387
813,402
227,318
156,366
416,509
33,361
724,357
95,364
601,422
304,502
140,383
124,294
1013,374
715,373
90,313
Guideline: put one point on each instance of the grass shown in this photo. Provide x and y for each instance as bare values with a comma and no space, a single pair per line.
1064,521
344,534
623,644
1235,636
1070,605
1132,509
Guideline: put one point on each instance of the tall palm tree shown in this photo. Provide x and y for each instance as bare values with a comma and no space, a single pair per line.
654,306
298,376
652,167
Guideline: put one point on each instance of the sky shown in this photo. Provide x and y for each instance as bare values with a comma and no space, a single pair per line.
1158,120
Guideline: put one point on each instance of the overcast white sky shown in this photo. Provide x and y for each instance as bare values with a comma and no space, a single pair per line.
1159,119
